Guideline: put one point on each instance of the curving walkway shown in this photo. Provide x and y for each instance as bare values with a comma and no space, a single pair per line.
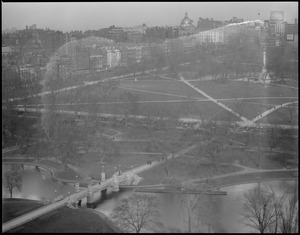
246,170
32,163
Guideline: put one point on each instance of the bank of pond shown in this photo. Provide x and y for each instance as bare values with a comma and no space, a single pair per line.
39,186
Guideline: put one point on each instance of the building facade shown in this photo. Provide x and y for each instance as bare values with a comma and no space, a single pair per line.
207,24
291,33
186,26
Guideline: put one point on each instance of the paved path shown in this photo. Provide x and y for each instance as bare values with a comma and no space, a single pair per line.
10,149
274,108
23,161
83,193
245,120
246,170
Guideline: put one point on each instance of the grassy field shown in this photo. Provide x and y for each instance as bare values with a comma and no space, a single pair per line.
251,108
163,97
184,168
12,208
238,89
265,159
66,220
280,116
135,149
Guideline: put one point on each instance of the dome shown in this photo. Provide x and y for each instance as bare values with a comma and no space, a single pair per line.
186,21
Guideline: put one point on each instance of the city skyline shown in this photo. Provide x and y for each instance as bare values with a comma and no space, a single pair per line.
93,15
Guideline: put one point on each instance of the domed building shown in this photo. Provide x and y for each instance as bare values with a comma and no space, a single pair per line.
186,21
186,27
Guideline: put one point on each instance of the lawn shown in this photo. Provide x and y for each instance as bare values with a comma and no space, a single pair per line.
146,89
279,116
132,153
251,108
66,220
183,99
12,208
184,168
238,89
246,158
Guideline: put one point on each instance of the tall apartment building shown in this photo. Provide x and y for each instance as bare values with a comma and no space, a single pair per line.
291,33
276,28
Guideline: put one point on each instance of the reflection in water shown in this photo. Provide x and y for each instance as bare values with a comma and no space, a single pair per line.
229,208
37,185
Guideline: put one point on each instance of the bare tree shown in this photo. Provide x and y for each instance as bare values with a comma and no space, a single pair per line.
40,150
13,179
104,147
259,209
63,142
137,213
198,209
274,136
211,149
293,115
130,105
106,89
289,214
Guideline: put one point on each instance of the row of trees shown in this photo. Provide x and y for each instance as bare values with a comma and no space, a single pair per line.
140,213
17,91
263,210
283,61
266,211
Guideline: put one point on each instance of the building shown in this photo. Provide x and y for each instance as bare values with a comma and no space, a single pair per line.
276,28
113,57
6,51
207,24
135,34
291,33
215,36
131,54
97,62
234,20
117,34
186,27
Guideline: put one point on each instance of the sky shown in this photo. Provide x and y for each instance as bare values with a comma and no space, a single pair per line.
83,16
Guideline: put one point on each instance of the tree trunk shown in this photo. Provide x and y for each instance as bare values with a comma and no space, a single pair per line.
190,223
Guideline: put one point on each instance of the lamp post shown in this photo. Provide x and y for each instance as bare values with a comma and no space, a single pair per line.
102,174
55,196
119,169
76,184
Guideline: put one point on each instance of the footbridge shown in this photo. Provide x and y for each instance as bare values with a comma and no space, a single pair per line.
82,196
